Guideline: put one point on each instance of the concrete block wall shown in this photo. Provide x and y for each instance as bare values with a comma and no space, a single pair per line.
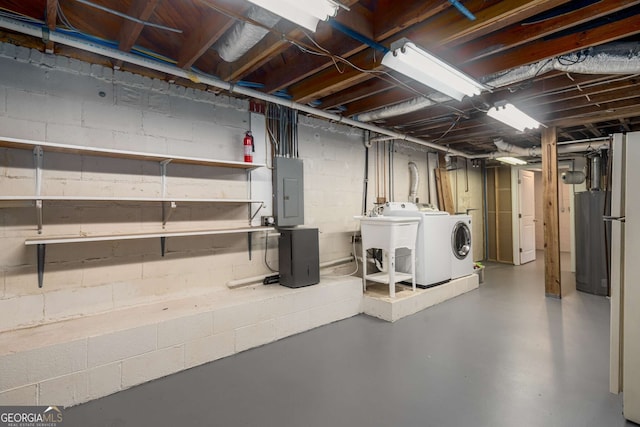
334,160
57,99
84,359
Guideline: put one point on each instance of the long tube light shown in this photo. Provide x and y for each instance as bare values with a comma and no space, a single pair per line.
420,65
512,116
306,13
511,160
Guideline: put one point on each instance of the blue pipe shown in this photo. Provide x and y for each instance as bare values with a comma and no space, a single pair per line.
357,36
463,9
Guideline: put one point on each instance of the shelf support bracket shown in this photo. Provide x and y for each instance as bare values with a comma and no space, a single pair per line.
163,245
249,244
41,250
257,211
38,155
167,211
163,176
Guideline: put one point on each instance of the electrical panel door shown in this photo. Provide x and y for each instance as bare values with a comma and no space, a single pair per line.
288,186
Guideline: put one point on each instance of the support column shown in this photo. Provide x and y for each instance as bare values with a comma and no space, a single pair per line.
552,285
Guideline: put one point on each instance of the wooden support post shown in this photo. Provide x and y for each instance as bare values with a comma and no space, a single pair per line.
552,283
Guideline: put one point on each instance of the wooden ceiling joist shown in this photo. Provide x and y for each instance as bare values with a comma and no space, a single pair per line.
540,50
51,17
211,27
130,31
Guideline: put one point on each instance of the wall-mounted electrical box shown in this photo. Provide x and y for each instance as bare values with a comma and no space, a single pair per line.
288,186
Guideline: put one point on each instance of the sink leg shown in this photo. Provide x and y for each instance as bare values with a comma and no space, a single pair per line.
392,273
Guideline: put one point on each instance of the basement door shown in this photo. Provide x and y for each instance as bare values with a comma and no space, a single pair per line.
527,214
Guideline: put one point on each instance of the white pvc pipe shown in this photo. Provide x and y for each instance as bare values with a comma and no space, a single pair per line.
21,27
414,179
238,283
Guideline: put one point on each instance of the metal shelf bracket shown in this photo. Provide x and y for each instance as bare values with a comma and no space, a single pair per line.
167,210
38,155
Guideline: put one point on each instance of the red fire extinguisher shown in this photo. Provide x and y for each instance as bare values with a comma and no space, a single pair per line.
249,148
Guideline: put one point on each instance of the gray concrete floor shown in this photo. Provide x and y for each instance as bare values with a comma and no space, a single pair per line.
503,355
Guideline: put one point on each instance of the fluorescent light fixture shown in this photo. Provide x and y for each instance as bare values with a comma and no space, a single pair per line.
306,13
420,65
511,160
512,116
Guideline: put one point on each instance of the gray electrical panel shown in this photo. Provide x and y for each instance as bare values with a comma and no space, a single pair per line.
298,253
288,186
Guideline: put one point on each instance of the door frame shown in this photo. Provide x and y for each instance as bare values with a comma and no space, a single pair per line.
515,208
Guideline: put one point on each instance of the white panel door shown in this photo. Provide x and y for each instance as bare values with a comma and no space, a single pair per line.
631,304
527,215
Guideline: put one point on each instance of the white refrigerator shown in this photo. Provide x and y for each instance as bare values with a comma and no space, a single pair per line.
625,273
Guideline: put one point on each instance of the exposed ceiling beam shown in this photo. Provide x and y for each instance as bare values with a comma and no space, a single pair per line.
625,124
597,116
594,131
331,81
315,64
380,100
211,27
449,30
492,18
520,34
130,30
608,109
356,93
584,98
390,19
605,88
270,46
274,44
52,16
541,50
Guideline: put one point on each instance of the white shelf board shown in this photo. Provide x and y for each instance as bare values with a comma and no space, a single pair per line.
123,199
109,152
135,236
383,277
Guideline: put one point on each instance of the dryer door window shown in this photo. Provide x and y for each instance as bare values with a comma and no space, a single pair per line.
461,240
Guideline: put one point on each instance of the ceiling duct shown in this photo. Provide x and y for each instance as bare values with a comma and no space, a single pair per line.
242,36
507,149
615,58
403,108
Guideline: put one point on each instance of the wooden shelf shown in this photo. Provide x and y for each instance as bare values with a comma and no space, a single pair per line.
169,204
122,199
26,144
42,242
136,236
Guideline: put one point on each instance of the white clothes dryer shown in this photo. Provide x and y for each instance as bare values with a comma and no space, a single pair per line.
433,260
461,248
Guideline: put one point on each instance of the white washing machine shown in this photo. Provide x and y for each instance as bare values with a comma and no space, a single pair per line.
461,248
433,260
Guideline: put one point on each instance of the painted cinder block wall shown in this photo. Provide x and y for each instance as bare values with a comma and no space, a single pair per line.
55,99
